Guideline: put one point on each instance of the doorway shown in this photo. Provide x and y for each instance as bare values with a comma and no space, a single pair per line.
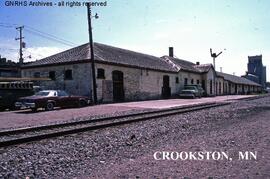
166,90
118,86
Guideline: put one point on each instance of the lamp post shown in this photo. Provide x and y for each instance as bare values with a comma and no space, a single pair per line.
92,51
214,56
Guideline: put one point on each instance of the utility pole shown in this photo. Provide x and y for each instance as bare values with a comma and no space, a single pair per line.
214,56
21,43
92,52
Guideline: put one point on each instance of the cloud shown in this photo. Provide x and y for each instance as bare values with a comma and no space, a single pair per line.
37,53
29,54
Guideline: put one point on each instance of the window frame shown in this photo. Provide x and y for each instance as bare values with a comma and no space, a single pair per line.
68,74
100,73
52,77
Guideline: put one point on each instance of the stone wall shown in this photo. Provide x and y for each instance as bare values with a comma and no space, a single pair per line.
139,84
209,81
80,84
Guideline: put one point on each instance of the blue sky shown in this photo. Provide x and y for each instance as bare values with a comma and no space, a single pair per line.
191,26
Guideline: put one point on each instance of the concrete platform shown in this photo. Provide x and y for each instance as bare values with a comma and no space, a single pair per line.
161,104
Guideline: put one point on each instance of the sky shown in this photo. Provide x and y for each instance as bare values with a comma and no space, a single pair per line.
237,28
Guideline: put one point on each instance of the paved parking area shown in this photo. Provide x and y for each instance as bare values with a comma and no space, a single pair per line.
24,118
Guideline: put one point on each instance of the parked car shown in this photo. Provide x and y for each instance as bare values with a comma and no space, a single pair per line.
49,99
201,90
192,91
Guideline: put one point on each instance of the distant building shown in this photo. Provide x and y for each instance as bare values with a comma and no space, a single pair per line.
9,68
256,71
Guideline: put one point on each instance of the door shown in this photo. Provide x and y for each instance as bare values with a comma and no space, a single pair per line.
166,90
118,86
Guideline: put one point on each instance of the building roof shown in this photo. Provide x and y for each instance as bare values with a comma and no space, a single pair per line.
237,79
181,64
187,65
105,54
204,68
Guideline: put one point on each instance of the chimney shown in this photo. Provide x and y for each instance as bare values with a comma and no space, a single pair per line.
197,63
171,51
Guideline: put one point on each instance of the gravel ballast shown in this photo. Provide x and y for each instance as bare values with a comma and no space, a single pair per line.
127,151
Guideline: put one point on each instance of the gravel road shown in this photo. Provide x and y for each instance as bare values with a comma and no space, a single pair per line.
127,151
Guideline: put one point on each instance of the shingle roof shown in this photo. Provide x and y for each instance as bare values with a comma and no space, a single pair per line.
105,53
203,68
237,79
182,64
187,65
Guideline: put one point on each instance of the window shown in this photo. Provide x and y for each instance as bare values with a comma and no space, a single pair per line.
192,81
100,73
176,80
52,75
62,93
198,82
37,74
211,90
68,75
186,81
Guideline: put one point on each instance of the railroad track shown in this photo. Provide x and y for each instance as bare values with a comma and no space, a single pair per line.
30,134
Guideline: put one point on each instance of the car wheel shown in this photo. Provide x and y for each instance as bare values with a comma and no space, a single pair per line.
49,106
82,103
193,96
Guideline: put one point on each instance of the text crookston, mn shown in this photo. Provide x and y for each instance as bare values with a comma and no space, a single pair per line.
203,155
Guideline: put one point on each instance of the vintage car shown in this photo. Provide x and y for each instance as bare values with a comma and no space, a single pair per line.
192,91
48,99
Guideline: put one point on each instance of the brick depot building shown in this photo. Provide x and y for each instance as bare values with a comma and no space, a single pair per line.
124,75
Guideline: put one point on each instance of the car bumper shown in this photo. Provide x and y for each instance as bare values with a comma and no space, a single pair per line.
25,105
187,95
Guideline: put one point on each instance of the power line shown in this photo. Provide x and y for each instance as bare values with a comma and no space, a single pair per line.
50,35
6,26
49,38
40,34
14,25
10,49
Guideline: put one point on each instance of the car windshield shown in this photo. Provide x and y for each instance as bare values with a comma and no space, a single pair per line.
190,88
42,93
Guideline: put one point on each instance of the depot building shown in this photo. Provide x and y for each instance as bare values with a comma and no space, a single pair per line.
124,75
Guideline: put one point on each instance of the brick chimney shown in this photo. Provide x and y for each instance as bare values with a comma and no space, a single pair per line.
171,51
